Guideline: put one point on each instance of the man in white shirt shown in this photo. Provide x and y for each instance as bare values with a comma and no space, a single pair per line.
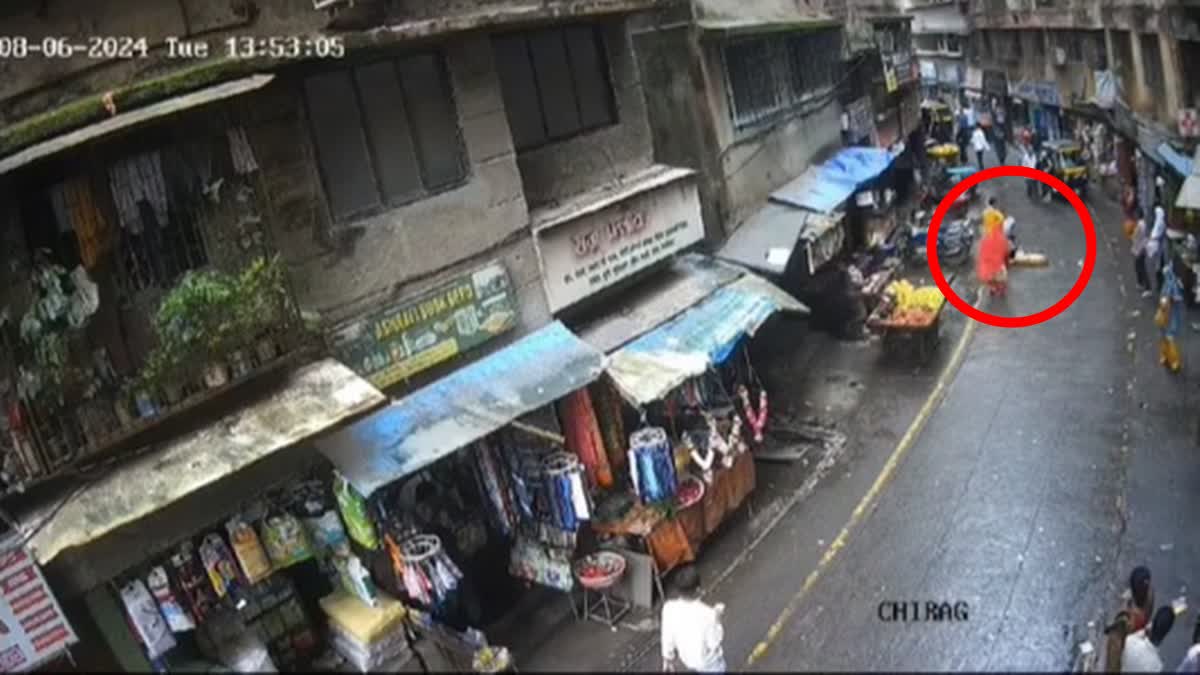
692,634
979,143
1141,648
1191,662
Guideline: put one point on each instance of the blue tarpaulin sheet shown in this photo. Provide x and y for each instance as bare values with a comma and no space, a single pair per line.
651,366
470,403
1181,163
823,188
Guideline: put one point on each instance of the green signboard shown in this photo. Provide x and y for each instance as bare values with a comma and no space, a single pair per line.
393,345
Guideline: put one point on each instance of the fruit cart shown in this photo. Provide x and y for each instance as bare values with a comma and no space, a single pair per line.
909,319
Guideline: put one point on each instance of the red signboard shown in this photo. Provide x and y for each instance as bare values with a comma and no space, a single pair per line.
33,628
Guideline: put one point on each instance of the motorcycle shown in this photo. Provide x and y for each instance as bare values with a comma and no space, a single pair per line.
955,239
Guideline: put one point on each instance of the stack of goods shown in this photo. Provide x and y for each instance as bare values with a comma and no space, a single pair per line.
914,306
652,465
370,638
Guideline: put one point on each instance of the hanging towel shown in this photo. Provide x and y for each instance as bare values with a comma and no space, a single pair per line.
138,179
612,427
584,439
240,151
92,229
579,497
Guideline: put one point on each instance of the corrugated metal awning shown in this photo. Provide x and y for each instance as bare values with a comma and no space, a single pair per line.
470,403
650,367
313,399
766,242
823,188
133,118
1182,164
1189,194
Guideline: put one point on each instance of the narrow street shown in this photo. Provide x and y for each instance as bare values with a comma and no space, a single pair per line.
1059,457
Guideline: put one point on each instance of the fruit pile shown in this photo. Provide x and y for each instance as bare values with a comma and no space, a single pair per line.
914,306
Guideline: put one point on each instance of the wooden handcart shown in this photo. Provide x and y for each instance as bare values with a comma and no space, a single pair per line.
899,337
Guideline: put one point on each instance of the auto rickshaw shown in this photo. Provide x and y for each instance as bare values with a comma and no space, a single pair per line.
945,171
938,120
1067,164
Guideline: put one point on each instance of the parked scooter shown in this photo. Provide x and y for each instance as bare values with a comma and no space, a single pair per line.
955,239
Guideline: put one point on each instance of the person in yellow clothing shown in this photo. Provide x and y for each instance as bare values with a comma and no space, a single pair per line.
993,218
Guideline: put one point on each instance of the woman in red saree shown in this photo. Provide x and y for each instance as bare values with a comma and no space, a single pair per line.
992,263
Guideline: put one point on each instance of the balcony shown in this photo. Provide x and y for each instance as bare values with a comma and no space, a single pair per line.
124,305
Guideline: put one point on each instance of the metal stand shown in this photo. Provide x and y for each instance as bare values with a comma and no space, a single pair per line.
602,607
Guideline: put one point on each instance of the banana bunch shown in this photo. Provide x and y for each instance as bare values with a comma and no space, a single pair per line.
926,299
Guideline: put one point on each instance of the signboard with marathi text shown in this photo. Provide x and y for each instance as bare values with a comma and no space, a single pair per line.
33,628
392,345
585,255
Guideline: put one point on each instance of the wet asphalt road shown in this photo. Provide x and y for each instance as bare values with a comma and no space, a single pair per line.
1010,501
1061,456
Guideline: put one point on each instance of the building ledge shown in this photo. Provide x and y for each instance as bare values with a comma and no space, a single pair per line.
606,195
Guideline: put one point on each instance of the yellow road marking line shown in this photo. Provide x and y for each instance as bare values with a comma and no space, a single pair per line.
881,481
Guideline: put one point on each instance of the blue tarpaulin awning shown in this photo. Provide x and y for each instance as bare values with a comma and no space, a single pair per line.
823,188
1181,163
648,368
470,403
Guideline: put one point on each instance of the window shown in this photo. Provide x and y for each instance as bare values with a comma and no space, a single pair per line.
1095,55
953,44
555,83
1152,63
770,75
1123,57
386,133
928,43
1005,44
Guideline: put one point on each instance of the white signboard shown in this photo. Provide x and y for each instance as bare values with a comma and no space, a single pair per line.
33,628
588,254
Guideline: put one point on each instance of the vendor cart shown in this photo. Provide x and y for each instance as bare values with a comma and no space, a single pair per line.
898,337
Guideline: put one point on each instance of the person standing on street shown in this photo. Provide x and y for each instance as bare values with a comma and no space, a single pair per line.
1169,318
1141,648
979,143
1001,143
993,218
1156,245
1140,238
692,634
1141,598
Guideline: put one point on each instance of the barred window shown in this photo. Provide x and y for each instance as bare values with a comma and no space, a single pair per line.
1152,63
555,84
385,133
770,75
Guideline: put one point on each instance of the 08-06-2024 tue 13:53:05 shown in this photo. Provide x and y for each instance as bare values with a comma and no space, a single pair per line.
111,47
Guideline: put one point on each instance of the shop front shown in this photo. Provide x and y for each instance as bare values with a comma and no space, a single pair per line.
1043,105
210,551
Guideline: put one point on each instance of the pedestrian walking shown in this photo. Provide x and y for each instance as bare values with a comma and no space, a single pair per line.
1141,647
1141,598
1156,245
1140,237
692,634
1169,319
993,217
1191,661
992,263
1029,160
1001,143
963,137
979,143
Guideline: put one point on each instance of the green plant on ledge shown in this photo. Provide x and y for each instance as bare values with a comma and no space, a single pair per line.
196,326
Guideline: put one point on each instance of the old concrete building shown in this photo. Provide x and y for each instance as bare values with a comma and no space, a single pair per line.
940,31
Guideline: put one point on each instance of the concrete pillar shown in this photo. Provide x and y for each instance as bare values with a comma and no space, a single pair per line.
1136,90
1168,46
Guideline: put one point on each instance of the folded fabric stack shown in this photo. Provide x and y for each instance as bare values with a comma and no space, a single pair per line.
367,637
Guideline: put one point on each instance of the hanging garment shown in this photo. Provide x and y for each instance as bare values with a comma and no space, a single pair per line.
92,229
583,437
579,497
612,425
492,485
564,503
58,203
651,454
138,179
241,152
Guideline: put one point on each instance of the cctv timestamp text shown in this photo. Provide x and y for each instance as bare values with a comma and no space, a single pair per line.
293,47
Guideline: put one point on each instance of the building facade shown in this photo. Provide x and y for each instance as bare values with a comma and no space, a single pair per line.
940,31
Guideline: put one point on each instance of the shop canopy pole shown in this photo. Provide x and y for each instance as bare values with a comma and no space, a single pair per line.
530,429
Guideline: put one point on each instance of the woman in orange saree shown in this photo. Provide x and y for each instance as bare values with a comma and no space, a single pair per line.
992,264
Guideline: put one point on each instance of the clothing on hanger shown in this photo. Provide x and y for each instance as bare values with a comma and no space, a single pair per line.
135,179
240,151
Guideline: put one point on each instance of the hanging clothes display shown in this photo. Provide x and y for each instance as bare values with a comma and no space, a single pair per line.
652,464
493,485
608,407
92,230
584,438
429,575
241,152
138,179
567,496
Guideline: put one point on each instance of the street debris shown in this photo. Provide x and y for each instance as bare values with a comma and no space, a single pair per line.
1167,548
